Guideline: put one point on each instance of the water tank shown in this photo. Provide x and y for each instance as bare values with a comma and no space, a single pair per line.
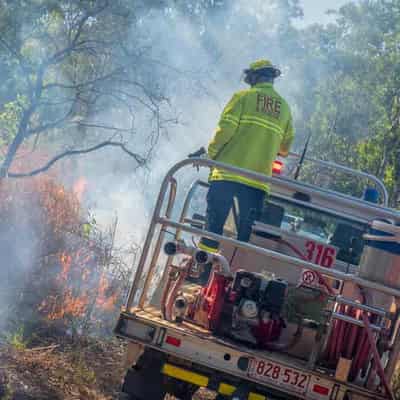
380,260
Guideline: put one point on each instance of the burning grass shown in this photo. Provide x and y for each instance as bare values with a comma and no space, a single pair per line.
59,271
61,285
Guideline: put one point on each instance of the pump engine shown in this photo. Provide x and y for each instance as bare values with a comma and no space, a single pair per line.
247,308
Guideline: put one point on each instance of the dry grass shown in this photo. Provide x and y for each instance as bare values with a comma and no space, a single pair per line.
84,370
60,369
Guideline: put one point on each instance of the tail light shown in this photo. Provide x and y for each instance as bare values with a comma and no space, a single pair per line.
324,391
277,167
173,341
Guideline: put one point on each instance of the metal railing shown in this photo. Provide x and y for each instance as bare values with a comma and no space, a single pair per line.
330,165
162,220
165,221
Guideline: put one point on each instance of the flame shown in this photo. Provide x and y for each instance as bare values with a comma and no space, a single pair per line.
106,300
66,261
79,187
93,289
69,305
66,303
72,284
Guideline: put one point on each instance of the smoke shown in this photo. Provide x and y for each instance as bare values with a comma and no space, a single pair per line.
192,64
18,246
197,61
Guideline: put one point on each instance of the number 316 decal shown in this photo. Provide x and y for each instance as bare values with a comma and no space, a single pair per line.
319,254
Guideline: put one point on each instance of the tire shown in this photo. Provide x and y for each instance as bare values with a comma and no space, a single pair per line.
125,396
180,390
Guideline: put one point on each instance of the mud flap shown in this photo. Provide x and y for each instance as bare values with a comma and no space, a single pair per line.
144,381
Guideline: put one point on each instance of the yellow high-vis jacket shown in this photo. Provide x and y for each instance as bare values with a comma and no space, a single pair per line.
254,127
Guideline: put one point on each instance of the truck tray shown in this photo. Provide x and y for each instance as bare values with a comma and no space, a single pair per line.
197,345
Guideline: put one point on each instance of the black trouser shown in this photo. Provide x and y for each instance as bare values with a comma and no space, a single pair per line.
220,199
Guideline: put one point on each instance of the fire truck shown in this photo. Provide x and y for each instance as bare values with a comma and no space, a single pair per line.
307,309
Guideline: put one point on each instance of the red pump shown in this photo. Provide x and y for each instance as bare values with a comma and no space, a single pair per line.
213,298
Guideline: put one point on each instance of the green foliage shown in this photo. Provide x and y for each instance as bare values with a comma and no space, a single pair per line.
356,116
17,339
9,118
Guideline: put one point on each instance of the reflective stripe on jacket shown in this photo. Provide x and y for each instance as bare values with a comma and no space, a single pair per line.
254,127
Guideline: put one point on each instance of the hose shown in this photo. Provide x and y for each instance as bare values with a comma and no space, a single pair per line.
361,355
222,264
352,334
376,357
343,340
340,339
331,349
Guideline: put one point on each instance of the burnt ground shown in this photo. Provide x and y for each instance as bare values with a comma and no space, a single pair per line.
84,369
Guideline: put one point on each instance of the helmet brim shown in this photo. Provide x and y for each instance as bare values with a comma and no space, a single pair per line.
276,72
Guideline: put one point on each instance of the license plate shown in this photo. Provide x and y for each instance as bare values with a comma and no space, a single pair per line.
291,378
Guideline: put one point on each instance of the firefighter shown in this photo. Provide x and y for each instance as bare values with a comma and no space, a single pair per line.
255,126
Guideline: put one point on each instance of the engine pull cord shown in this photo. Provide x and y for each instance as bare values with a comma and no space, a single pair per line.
376,357
303,257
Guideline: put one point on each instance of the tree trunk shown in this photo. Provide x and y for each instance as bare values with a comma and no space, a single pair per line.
16,143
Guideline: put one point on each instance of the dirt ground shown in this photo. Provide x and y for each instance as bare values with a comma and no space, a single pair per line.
84,369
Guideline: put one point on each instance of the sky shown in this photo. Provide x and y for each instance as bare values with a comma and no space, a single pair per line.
314,10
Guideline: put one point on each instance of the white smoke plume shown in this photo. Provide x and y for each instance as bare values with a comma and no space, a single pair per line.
195,62
200,68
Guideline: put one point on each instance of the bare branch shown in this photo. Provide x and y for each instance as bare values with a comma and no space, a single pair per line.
20,60
139,159
83,84
105,127
51,125
60,55
114,93
14,53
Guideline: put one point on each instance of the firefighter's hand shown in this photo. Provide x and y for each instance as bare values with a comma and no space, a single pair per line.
199,153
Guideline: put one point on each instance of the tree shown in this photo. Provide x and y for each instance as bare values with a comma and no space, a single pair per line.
356,117
69,64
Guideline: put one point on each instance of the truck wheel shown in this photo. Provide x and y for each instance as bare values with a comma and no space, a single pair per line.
180,390
144,381
124,396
